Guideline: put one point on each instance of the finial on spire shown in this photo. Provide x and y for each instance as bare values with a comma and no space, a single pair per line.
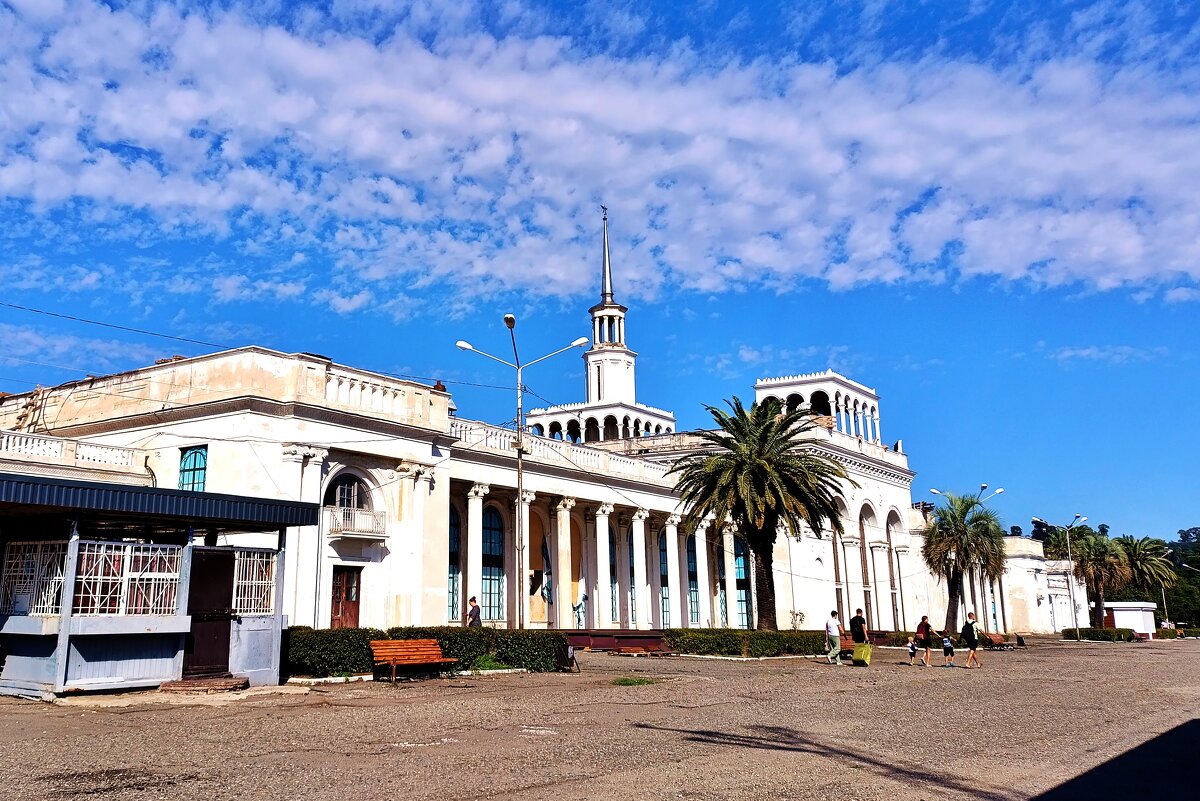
606,290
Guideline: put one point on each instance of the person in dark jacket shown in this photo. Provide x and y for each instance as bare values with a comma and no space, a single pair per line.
473,613
858,627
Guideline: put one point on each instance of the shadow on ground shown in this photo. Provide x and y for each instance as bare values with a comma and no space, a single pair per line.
782,738
1155,769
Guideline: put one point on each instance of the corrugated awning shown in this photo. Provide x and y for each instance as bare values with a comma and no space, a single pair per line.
25,494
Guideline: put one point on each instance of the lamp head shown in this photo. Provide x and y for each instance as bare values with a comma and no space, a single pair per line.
1083,519
579,343
510,321
935,491
982,487
999,491
462,344
1038,520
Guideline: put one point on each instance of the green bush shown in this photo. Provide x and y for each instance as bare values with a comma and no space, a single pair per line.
740,642
1101,635
532,650
899,639
325,652
1166,634
1189,632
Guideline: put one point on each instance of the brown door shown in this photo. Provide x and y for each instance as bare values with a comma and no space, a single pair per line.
346,584
210,604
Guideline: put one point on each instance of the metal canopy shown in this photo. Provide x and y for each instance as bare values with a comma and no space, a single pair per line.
26,496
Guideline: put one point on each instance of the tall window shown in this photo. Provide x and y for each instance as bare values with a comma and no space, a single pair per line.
492,601
664,590
614,582
693,579
454,574
723,602
348,492
193,464
632,588
745,617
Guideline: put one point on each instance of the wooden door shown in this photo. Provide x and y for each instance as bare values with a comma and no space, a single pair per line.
210,604
347,582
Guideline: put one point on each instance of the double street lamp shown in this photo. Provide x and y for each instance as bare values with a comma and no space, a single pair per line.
1078,521
519,441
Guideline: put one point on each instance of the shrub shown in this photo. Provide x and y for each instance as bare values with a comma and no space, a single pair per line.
899,639
1166,634
324,652
532,650
741,642
632,681
1189,632
1101,635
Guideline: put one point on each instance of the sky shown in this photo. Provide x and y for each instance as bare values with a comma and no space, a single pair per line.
987,211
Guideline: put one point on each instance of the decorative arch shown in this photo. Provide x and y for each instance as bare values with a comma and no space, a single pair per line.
625,428
819,401
794,401
537,430
611,431
556,431
591,430
637,427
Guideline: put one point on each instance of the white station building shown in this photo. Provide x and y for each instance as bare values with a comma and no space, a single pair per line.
418,505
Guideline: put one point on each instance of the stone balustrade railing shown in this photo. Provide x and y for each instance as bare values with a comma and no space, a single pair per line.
59,451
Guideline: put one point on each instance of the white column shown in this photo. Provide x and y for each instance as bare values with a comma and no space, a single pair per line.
900,551
563,599
602,601
641,589
305,546
522,583
852,575
422,476
671,533
731,607
681,593
474,578
883,589
703,581
878,430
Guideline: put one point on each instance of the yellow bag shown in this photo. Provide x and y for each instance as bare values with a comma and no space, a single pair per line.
862,654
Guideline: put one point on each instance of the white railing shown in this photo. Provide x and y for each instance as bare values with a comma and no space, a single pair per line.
124,578
33,577
31,445
371,393
341,520
474,435
254,582
57,450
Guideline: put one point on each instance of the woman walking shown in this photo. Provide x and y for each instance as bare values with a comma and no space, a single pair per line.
925,635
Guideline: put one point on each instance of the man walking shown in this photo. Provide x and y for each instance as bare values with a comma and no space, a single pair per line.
833,635
858,627
970,633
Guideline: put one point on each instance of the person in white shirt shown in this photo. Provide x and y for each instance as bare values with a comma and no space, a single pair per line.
833,634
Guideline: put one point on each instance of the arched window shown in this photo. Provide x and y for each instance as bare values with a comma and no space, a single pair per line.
348,492
613,581
610,428
745,612
454,575
693,580
591,430
556,430
664,590
492,602
537,430
820,404
573,431
193,466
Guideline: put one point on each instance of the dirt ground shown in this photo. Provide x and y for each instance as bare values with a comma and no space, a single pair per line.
705,729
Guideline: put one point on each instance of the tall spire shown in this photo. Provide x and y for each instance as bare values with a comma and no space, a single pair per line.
606,290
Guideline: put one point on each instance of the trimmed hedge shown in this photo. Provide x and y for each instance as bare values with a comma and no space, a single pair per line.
1166,634
328,652
1189,632
745,643
1100,635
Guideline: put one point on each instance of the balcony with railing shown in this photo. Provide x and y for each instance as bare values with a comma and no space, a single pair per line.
343,522
57,456
481,436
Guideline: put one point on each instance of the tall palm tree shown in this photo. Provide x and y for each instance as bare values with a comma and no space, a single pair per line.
1149,566
761,475
964,535
1101,564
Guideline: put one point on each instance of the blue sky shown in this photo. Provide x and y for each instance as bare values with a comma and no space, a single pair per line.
987,211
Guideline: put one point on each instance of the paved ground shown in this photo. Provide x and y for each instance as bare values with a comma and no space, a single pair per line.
705,730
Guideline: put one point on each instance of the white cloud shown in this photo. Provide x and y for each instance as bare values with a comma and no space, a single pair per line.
441,155
1110,354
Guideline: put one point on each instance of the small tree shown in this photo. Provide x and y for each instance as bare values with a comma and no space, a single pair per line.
1149,567
1101,564
761,476
964,535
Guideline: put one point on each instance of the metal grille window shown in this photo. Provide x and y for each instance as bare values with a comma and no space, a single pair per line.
743,584
454,574
121,578
614,583
493,566
254,582
193,466
33,578
693,579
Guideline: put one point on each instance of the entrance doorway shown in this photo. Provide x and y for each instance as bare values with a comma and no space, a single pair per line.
210,604
346,584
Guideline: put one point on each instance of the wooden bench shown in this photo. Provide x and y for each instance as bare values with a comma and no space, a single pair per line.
995,642
409,654
1139,636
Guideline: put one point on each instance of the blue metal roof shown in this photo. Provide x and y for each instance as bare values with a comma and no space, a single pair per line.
206,509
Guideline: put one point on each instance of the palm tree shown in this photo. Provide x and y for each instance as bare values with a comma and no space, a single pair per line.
964,535
759,476
1149,566
1101,564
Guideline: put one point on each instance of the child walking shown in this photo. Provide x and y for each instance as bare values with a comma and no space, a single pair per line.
912,652
947,652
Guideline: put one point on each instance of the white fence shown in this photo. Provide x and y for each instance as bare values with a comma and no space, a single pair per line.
66,451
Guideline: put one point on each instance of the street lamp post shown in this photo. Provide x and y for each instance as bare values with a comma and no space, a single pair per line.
1163,587
519,443
1079,520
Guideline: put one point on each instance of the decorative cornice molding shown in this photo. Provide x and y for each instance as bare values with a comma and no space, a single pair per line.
478,491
